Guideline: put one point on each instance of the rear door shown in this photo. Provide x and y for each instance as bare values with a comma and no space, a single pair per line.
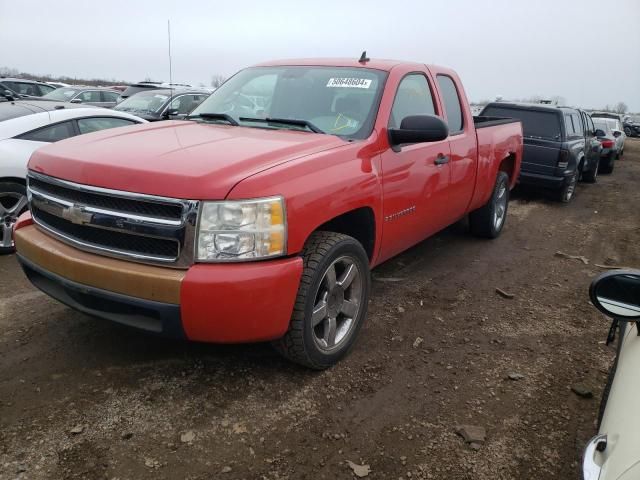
90,97
575,138
416,177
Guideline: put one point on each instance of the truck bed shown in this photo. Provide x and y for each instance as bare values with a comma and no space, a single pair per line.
482,122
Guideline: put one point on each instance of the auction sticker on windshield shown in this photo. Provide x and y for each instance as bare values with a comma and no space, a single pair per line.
349,82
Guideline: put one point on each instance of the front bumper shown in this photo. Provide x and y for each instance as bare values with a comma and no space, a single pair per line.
220,303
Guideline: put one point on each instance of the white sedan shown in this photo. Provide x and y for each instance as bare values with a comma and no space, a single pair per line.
26,126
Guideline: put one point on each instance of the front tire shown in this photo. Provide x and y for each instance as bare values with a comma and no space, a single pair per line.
13,202
331,304
488,220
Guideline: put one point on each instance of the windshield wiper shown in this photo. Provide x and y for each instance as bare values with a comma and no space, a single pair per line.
285,121
216,116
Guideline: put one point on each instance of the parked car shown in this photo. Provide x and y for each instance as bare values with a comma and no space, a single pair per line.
349,163
26,126
613,453
631,125
156,105
16,88
58,84
558,146
612,140
144,86
97,97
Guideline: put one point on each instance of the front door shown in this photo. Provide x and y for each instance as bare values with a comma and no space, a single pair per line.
415,178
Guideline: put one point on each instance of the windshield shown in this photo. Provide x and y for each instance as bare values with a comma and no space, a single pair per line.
333,100
62,94
602,124
535,123
150,101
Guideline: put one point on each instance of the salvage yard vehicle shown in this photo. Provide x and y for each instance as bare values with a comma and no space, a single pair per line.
153,105
97,97
613,453
17,88
27,125
145,86
260,220
631,125
558,146
612,141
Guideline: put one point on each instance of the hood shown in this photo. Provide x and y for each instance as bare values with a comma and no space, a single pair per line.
181,159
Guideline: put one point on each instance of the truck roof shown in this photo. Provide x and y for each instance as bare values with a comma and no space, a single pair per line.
531,106
377,64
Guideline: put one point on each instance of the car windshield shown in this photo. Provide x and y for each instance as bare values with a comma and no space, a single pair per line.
334,100
61,94
633,118
603,124
535,123
150,101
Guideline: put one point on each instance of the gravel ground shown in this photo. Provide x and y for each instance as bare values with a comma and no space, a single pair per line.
82,398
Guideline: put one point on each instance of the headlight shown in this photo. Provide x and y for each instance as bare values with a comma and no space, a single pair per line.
241,230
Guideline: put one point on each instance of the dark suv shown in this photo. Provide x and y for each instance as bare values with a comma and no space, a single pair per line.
560,146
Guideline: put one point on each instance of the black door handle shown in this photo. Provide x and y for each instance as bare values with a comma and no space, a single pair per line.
441,159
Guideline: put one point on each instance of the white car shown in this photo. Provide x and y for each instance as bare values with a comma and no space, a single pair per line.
613,454
26,126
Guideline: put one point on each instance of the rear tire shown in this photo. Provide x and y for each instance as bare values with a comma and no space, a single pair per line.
591,176
607,164
331,304
568,191
488,220
13,202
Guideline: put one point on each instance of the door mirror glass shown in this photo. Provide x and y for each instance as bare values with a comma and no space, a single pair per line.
600,133
75,100
419,129
617,294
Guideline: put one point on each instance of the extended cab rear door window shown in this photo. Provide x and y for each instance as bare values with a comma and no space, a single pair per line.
413,97
452,106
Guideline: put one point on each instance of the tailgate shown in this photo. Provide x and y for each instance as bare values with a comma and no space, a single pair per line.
540,156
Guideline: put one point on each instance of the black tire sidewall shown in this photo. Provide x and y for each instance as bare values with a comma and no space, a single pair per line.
346,247
16,188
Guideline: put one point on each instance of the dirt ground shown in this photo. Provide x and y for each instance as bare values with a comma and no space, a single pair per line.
83,398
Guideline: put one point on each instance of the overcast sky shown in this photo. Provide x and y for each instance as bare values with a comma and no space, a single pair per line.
586,51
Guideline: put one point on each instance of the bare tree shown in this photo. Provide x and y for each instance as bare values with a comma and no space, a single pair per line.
217,80
621,107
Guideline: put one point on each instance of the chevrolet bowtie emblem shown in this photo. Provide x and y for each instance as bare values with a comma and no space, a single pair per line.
76,214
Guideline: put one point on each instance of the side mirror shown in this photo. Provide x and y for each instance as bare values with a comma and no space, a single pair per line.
617,294
75,100
8,94
419,129
171,112
617,133
600,133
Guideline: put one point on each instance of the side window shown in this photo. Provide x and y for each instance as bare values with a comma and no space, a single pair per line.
590,123
569,125
452,105
51,133
109,96
90,96
577,123
185,103
88,125
44,89
412,98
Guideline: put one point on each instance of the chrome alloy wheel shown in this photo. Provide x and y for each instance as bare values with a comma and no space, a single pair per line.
571,187
500,210
12,204
337,303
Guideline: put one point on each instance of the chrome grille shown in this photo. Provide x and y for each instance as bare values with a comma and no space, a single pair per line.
138,227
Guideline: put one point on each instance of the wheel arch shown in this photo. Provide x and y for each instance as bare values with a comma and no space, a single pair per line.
359,223
19,180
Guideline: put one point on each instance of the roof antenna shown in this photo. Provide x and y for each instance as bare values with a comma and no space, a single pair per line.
170,72
364,58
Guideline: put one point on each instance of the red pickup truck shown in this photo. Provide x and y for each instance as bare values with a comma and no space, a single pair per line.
260,216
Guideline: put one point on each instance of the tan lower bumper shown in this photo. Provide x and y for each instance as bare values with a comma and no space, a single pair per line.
128,278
